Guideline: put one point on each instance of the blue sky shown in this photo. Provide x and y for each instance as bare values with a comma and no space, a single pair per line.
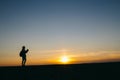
82,25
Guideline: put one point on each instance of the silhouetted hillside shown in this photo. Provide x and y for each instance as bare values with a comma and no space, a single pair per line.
96,71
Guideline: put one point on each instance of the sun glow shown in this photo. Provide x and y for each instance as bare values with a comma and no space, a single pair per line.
64,59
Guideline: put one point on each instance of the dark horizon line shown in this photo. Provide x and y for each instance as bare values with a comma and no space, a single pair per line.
64,64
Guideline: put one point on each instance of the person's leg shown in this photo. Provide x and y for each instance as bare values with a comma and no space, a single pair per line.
24,61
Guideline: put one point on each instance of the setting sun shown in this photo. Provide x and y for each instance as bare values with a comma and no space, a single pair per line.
64,59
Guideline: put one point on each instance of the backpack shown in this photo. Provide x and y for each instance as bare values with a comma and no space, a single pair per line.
21,53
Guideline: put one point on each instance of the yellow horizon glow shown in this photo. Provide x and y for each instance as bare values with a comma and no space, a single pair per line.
63,57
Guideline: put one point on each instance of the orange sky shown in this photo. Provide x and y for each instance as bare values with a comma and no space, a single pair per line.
53,57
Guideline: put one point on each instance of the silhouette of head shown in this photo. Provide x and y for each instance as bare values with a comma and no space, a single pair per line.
23,47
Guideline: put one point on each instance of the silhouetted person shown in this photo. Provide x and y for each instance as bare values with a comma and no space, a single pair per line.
23,55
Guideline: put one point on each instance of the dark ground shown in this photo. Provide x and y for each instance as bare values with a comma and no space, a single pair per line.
96,71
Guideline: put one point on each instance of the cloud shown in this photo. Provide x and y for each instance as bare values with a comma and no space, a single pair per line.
100,56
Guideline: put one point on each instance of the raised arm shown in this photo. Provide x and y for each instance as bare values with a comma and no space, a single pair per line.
26,50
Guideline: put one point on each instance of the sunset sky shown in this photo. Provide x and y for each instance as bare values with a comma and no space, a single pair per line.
83,30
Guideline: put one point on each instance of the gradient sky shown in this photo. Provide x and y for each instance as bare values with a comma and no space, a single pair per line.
84,30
